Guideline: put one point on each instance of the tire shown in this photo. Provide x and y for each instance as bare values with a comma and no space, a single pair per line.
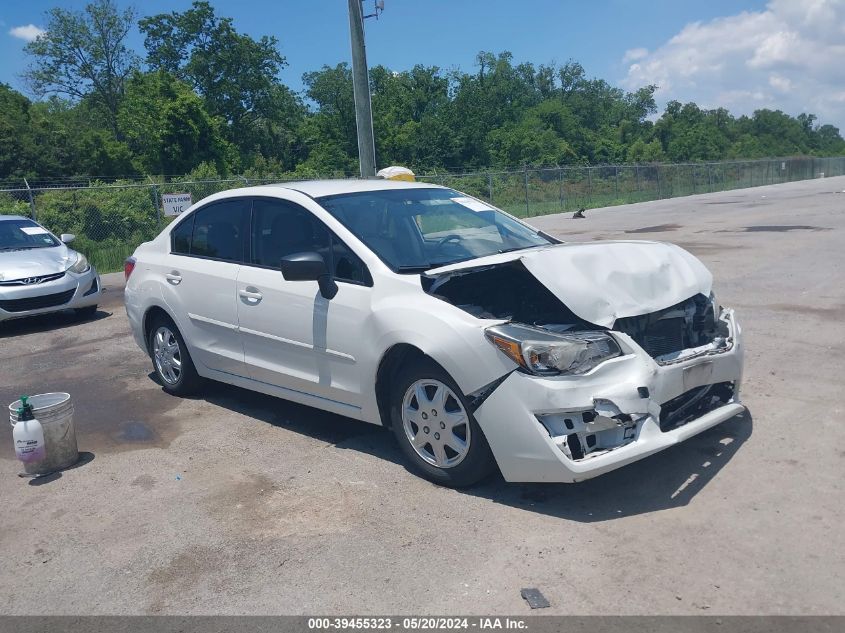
432,422
88,312
172,362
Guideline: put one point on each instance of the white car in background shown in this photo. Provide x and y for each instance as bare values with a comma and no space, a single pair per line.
480,341
39,274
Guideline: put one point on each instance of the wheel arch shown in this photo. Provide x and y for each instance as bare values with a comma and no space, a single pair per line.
150,316
390,362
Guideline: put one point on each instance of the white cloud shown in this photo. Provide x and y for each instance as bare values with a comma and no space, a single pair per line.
788,56
633,54
28,33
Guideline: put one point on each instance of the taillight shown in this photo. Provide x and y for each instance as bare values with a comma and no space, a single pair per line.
128,267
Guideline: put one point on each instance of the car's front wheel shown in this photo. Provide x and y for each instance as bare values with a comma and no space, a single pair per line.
171,360
435,429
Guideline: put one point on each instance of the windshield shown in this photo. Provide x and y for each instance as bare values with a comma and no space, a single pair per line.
412,230
16,235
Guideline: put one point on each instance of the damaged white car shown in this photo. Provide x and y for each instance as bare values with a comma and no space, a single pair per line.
480,341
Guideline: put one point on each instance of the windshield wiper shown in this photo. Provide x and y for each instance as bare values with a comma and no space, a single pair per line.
519,248
420,268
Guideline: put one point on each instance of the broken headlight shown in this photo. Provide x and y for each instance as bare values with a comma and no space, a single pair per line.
545,353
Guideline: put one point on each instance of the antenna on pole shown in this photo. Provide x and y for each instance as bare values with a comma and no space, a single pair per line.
361,87
379,8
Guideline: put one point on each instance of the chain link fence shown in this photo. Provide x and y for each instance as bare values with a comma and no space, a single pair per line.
540,191
111,219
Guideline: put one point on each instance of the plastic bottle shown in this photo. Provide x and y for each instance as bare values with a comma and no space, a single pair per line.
28,435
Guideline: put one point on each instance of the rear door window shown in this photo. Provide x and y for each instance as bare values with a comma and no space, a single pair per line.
180,237
217,231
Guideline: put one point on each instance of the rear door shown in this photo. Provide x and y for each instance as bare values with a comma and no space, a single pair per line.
207,249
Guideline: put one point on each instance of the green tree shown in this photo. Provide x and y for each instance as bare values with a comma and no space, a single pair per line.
167,127
330,134
84,54
236,75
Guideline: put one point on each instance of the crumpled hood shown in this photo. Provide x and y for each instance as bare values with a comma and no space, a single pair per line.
34,262
604,281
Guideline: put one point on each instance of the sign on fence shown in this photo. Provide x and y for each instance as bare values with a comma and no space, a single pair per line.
175,203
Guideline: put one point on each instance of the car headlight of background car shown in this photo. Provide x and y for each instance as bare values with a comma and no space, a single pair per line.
81,264
545,353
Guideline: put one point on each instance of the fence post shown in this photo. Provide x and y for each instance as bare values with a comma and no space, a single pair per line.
617,181
590,185
560,186
657,169
490,185
159,210
639,184
709,178
527,207
31,200
693,180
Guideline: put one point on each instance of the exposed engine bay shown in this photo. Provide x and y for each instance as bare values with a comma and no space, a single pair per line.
509,291
506,291
693,323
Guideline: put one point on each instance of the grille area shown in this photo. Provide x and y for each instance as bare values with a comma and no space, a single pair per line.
693,404
30,281
665,337
688,324
36,303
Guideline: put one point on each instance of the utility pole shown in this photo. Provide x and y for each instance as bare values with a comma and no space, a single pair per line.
361,90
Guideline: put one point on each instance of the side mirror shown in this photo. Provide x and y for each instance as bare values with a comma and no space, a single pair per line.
67,238
309,266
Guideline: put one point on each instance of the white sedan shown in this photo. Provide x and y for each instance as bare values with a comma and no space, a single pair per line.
479,341
40,274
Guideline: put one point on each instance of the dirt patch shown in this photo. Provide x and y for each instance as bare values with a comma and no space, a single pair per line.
657,228
782,228
707,247
186,567
144,482
61,345
112,418
254,504
827,314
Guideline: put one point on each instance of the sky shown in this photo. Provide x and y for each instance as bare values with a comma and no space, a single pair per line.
742,55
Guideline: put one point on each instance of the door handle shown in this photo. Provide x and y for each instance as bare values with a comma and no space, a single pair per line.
173,278
250,295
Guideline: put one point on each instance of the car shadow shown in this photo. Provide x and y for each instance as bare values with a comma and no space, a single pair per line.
43,323
668,479
340,431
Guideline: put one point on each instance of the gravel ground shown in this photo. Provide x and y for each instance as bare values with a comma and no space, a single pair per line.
237,503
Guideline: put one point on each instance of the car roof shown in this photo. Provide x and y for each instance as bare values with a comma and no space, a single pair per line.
319,188
13,217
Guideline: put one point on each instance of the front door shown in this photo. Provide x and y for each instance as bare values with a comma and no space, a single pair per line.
292,336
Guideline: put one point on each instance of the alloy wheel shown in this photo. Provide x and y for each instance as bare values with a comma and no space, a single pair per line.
167,355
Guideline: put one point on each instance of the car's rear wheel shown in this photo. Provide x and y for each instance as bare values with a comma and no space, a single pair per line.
171,360
435,429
